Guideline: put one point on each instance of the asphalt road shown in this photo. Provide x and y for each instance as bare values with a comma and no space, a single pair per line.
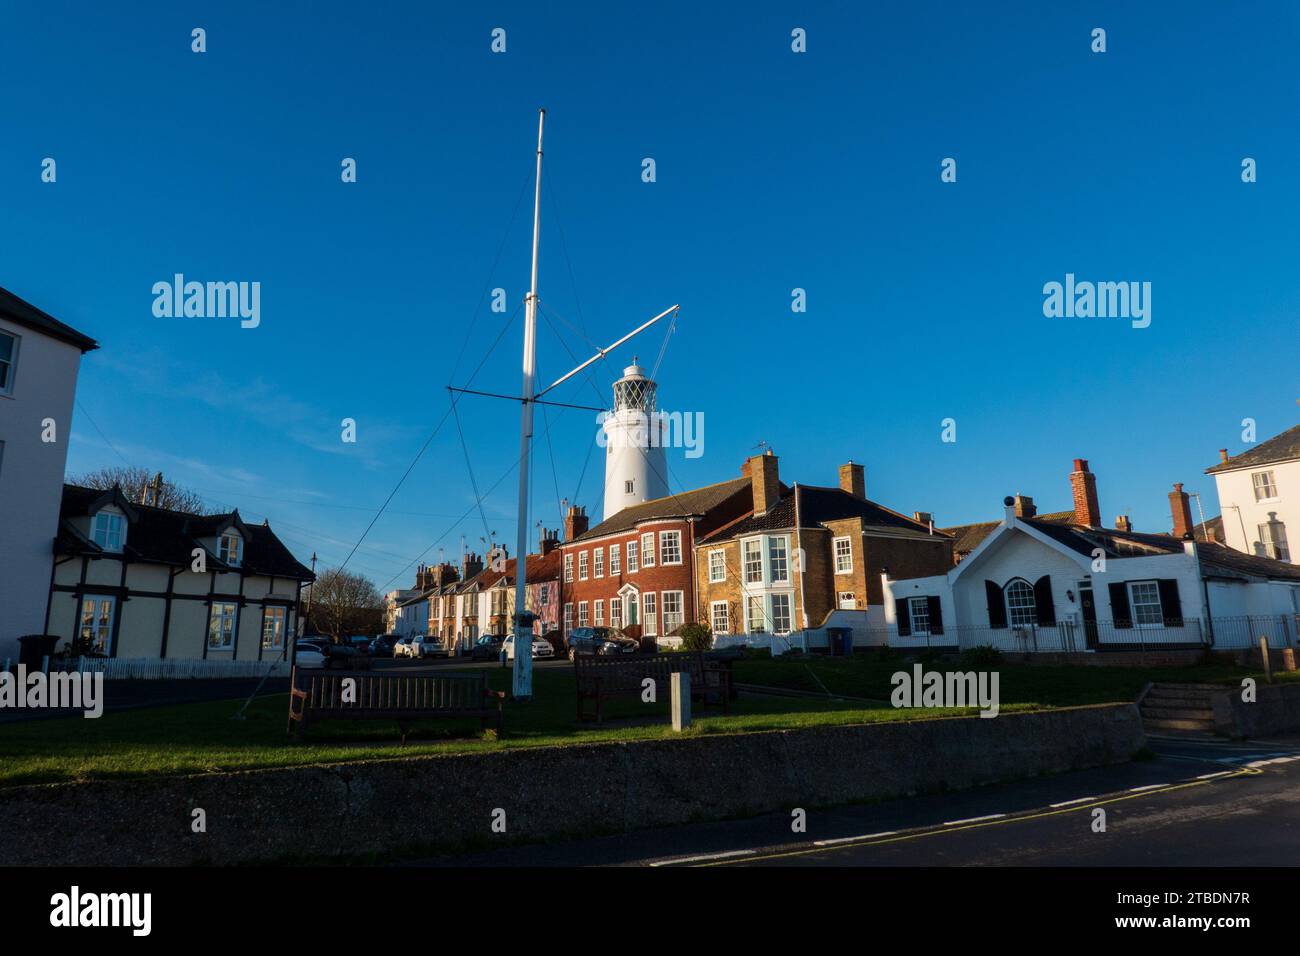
1199,803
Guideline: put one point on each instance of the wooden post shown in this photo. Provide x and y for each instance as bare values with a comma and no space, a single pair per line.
681,685
1268,665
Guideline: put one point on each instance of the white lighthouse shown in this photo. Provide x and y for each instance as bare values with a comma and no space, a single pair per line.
635,465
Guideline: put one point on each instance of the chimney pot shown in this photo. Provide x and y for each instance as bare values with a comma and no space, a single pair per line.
1087,511
1180,508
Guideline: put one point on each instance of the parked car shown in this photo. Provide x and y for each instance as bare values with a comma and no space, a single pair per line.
541,647
346,657
382,646
307,655
428,646
317,640
361,642
405,646
600,640
487,647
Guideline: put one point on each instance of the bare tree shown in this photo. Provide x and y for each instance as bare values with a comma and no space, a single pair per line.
138,485
343,603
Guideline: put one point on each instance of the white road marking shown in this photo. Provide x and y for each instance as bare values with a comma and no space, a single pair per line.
991,816
1150,786
865,836
705,856
1221,773
1067,803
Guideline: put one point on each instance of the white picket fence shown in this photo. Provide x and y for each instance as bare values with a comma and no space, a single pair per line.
167,668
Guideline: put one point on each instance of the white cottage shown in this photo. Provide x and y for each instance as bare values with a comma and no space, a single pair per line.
1052,585
1259,495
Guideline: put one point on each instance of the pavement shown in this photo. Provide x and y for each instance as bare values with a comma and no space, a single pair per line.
1200,802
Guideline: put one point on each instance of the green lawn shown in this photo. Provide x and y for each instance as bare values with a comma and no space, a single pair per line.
202,737
1022,684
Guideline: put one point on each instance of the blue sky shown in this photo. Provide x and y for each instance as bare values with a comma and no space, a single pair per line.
774,171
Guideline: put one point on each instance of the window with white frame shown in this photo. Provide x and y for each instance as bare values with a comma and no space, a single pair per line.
8,361
582,614
670,547
777,563
1265,485
752,561
781,614
1272,534
632,555
97,612
108,529
616,612
568,616
674,610
1022,610
843,555
598,563
221,626
273,628
582,566
919,613
648,549
720,617
230,549
755,615
847,600
650,625
717,566
1144,601
568,568
600,614
615,559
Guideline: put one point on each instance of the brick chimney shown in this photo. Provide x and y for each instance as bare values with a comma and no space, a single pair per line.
575,522
853,480
1122,523
1180,506
1086,510
1223,455
550,541
1025,507
471,565
764,480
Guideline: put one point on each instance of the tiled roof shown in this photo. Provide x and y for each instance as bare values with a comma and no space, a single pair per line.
698,501
968,537
1211,530
815,507
164,536
538,568
1283,447
23,313
1216,559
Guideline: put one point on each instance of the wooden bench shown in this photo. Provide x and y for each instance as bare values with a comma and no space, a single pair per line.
601,678
318,695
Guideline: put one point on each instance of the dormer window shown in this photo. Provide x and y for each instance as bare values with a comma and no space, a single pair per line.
109,530
230,548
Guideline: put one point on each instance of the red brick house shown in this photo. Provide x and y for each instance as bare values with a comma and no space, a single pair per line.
635,570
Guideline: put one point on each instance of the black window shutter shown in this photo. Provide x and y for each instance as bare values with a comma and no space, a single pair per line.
903,614
936,615
1043,606
1171,606
1119,609
997,609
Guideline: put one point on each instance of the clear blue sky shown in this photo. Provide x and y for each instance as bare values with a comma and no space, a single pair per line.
775,171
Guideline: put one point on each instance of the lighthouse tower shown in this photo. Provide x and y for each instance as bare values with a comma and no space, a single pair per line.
635,465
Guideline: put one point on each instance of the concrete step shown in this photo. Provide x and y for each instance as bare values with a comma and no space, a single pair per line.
1170,724
1206,688
1178,700
1177,713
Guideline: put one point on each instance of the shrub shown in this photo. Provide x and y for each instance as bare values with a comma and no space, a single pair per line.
986,655
696,637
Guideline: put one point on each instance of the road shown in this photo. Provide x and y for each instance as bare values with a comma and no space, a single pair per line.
1200,802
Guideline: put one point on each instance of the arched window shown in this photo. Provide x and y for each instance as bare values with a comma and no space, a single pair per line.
1021,610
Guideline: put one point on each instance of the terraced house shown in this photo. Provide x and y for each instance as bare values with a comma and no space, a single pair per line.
801,556
133,580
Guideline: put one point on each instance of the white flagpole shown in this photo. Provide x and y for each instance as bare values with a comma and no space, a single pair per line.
523,669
